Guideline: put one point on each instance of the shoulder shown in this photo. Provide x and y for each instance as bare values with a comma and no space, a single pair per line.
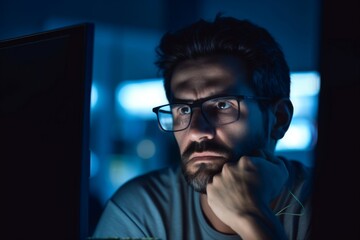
298,171
297,200
300,179
163,176
142,187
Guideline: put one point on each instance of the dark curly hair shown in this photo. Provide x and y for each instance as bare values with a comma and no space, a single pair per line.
269,72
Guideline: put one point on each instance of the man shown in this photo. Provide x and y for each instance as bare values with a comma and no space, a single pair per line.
228,86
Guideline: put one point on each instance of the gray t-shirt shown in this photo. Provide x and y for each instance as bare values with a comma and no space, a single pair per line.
162,205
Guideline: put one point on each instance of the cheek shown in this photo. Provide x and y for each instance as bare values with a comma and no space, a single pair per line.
252,121
233,134
238,132
243,136
180,139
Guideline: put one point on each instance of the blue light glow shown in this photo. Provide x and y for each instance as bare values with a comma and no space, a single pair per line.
304,84
94,96
138,98
300,136
94,164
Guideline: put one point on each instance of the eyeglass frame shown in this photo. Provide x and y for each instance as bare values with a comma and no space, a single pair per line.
199,104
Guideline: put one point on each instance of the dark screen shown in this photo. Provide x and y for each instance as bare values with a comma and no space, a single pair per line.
336,200
45,82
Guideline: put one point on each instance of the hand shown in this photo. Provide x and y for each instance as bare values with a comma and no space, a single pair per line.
246,189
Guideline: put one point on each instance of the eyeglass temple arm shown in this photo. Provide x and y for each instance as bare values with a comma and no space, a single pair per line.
160,110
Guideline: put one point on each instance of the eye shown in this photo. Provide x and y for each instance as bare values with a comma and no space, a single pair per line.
184,110
223,105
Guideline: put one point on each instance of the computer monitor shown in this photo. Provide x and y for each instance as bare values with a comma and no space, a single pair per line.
45,86
336,192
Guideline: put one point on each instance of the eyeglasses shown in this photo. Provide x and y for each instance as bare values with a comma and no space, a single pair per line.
216,110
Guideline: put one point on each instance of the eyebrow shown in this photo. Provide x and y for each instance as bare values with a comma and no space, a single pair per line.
178,100
231,91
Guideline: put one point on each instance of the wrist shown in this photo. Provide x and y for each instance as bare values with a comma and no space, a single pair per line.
258,225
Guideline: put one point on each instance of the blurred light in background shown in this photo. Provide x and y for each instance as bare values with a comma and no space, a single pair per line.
94,164
146,149
123,168
94,96
137,98
302,133
300,136
305,84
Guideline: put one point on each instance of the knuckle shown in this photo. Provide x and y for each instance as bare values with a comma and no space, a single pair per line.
225,167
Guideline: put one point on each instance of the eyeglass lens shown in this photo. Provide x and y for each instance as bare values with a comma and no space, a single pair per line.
218,111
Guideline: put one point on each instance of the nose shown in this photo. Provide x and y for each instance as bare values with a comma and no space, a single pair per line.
200,129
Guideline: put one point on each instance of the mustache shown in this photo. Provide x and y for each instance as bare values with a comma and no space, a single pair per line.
206,146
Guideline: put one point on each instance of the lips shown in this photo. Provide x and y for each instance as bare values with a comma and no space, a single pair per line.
206,156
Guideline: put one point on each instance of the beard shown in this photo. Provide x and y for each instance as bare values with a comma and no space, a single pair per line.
204,172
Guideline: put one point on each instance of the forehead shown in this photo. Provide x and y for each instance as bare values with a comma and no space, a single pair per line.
207,76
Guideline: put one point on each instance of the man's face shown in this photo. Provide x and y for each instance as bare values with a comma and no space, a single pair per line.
205,148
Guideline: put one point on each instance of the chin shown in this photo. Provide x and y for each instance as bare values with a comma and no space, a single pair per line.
202,174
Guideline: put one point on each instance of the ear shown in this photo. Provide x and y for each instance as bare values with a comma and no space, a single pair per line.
283,112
